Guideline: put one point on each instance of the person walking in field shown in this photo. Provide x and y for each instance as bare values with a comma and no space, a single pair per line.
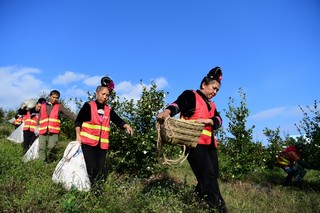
50,122
20,115
30,124
92,128
203,159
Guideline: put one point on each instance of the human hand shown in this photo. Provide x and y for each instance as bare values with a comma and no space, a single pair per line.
78,138
205,121
163,115
128,129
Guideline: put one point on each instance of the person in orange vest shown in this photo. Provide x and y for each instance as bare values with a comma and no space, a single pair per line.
203,159
30,124
290,161
18,121
49,124
92,128
20,116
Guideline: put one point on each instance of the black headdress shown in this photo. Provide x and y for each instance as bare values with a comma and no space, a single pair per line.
107,82
41,100
215,74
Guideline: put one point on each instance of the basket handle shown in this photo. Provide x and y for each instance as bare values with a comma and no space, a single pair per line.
160,143
180,160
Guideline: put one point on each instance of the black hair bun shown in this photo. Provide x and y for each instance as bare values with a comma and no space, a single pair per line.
215,73
42,100
107,82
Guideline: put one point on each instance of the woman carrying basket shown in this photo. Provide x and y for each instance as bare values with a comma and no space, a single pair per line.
203,159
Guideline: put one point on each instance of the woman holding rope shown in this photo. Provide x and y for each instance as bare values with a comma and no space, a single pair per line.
203,159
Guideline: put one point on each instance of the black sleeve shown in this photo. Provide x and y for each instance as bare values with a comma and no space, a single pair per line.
217,120
21,112
33,112
185,104
115,118
83,115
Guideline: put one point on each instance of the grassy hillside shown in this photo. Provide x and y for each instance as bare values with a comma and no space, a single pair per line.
27,187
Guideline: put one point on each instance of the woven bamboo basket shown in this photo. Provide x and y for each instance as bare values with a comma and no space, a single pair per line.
179,132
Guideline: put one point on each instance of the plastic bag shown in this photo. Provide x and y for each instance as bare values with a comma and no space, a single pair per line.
36,130
33,152
12,120
30,103
71,170
17,134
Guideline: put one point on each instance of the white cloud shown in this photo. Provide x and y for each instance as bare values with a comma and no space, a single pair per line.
270,113
161,82
75,91
126,89
19,84
277,112
68,77
92,81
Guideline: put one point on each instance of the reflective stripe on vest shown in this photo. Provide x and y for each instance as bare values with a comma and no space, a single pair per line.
282,161
206,132
26,125
30,123
201,111
51,123
19,120
97,129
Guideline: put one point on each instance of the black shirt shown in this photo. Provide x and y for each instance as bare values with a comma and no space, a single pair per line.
85,115
33,112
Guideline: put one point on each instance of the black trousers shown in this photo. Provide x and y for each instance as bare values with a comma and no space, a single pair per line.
203,160
95,158
28,138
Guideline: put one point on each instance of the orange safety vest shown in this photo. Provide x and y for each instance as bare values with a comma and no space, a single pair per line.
30,123
283,160
97,129
201,111
51,123
19,120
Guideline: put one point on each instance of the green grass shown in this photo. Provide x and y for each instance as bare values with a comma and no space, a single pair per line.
27,187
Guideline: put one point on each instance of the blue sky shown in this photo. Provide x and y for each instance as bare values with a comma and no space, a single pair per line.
271,49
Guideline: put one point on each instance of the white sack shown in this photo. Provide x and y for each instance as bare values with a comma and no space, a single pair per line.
33,152
30,103
36,130
71,170
17,134
12,120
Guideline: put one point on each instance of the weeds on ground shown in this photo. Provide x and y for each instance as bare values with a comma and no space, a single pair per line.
27,187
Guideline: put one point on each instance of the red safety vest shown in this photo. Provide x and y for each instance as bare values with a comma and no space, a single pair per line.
19,120
30,123
201,111
283,159
49,123
97,129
